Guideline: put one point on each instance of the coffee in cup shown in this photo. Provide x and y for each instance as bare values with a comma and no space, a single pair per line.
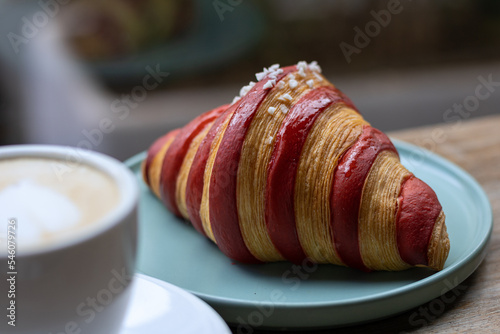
49,207
68,222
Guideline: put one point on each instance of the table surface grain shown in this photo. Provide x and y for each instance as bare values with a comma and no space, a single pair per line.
475,146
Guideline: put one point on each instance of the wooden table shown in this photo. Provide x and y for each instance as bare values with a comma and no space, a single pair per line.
475,146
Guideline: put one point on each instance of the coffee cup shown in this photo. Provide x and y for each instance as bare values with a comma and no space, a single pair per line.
68,233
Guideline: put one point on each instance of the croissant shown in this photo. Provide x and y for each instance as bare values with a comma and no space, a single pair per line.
290,170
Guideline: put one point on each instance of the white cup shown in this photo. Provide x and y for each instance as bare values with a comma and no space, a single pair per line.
79,284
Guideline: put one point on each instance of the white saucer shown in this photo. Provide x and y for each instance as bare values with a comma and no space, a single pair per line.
160,307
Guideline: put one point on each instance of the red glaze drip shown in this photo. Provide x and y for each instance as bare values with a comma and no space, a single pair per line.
153,151
282,170
194,187
418,210
347,190
222,194
175,155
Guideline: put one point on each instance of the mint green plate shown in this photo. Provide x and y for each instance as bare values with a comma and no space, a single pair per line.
286,296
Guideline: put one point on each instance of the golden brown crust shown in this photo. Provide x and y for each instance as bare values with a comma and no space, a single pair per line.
180,189
156,166
439,244
204,208
334,131
254,161
377,216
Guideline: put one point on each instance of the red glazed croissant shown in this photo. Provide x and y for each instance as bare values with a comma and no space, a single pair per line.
290,170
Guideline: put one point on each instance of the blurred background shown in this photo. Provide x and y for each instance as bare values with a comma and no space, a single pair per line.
114,75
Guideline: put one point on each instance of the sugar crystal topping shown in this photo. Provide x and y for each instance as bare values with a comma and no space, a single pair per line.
285,97
244,90
272,74
274,67
260,75
313,66
269,84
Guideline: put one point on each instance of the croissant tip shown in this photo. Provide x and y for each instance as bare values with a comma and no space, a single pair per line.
439,245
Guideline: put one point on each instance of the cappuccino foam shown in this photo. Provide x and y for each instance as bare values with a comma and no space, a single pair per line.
48,207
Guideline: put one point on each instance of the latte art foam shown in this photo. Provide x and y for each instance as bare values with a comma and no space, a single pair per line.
49,208
40,210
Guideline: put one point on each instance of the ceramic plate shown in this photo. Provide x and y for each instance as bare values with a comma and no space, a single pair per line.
158,304
286,296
